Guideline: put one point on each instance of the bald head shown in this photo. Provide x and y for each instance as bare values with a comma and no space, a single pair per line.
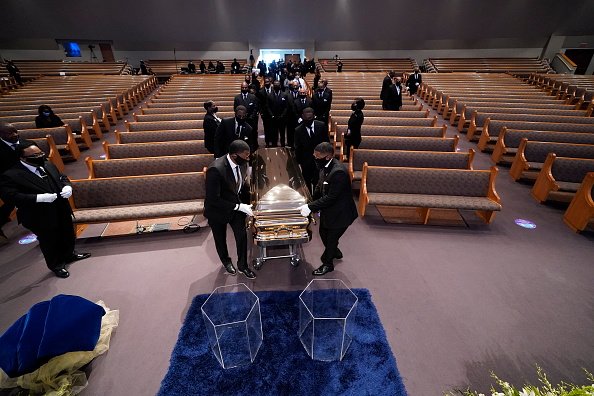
8,132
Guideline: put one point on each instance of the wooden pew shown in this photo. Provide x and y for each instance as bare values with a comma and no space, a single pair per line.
155,149
581,209
560,178
509,141
117,199
147,165
531,156
403,158
159,136
416,187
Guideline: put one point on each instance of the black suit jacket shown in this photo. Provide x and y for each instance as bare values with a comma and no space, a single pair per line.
20,186
292,109
305,145
221,194
210,125
8,156
299,106
279,105
322,104
334,197
385,87
354,126
226,133
251,104
264,99
394,97
412,82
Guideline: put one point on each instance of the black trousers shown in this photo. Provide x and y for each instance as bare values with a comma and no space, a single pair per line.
268,133
56,242
350,142
253,122
5,211
219,232
291,125
279,126
330,237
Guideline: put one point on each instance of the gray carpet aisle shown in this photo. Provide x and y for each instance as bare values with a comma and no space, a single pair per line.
455,302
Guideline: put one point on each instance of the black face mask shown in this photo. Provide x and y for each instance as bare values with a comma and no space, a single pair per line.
244,91
321,162
214,109
240,161
354,107
267,85
240,121
36,160
302,96
308,123
277,88
398,84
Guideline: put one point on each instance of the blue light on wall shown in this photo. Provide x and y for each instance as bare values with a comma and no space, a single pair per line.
72,49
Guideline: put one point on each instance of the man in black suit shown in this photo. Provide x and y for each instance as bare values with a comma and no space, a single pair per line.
394,96
386,83
191,67
279,107
235,66
292,114
307,136
9,142
322,101
40,193
210,124
414,81
264,96
234,128
334,200
302,102
250,102
227,202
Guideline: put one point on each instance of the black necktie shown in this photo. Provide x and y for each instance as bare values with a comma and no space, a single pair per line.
238,132
309,131
238,178
14,145
303,101
244,96
41,172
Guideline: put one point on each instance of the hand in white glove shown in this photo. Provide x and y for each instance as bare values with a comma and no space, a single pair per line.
305,210
417,84
66,192
245,208
46,198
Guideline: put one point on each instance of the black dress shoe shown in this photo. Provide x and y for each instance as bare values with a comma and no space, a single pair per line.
77,256
230,268
338,254
248,273
61,272
322,270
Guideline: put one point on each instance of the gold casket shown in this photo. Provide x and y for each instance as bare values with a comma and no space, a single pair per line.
278,190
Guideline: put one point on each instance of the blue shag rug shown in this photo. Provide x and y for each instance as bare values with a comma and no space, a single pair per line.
282,366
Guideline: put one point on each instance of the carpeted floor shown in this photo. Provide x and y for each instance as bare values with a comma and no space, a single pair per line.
455,302
282,366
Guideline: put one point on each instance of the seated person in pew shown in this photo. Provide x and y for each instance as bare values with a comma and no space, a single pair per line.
210,123
202,67
47,118
40,193
191,67
352,136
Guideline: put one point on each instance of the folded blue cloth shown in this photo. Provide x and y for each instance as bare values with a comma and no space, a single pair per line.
50,328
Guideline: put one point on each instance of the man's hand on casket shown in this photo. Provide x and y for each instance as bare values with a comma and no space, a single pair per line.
245,208
305,210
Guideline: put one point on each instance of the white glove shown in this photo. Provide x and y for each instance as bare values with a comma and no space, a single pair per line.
417,84
305,210
245,208
46,198
66,192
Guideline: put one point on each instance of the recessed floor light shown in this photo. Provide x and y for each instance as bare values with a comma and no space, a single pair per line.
28,239
525,223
